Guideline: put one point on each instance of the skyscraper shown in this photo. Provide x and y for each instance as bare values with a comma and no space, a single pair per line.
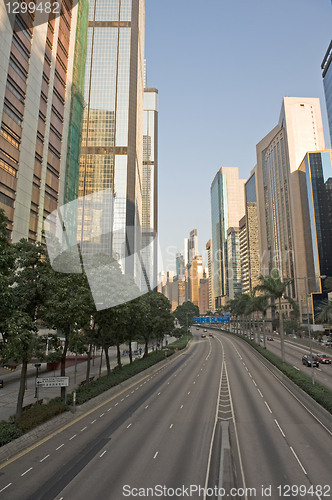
327,82
210,264
279,155
36,58
150,188
252,231
227,208
112,139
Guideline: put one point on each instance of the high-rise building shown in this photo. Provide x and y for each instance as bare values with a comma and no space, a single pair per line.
227,208
210,273
36,59
244,255
192,245
203,295
196,274
112,139
315,174
150,189
327,82
279,155
179,262
252,231
234,262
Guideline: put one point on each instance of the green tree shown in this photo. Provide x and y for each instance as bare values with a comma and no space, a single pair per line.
274,288
185,313
68,306
260,303
23,344
158,318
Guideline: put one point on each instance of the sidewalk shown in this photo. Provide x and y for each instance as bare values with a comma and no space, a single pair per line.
11,381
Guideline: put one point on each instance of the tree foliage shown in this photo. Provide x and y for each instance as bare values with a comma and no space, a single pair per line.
185,313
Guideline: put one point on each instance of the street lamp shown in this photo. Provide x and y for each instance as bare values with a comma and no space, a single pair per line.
37,366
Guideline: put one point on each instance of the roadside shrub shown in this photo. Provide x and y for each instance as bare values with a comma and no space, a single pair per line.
8,432
39,414
180,343
106,382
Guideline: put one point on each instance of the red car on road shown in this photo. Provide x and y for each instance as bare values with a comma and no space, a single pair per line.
323,358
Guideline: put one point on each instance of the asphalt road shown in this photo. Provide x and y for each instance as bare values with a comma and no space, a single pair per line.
160,432
293,356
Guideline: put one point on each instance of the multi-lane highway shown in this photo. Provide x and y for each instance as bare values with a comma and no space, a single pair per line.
293,356
158,437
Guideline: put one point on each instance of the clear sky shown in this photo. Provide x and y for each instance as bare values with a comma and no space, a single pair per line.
222,68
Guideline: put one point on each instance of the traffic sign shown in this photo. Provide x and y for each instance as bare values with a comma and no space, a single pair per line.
53,382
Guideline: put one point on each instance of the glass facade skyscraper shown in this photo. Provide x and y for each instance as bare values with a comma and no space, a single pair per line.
112,138
327,81
227,208
316,196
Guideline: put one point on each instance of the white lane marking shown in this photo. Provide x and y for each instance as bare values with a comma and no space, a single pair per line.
101,415
102,454
158,394
127,395
156,454
296,368
132,392
147,406
5,487
188,393
194,382
254,383
93,421
297,458
74,436
280,429
260,393
122,400
42,460
171,426
128,426
116,404
268,407
61,445
109,409
83,428
250,375
26,472
181,407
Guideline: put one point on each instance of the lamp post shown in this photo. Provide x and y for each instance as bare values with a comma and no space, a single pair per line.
37,366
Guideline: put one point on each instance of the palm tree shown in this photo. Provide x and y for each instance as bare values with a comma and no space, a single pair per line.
260,303
275,289
325,313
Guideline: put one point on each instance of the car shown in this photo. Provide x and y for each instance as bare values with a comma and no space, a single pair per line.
211,335
205,330
323,358
197,328
309,360
269,338
203,336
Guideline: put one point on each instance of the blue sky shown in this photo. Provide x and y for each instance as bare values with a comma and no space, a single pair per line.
222,68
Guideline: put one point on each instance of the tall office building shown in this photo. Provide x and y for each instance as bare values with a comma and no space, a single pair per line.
315,174
279,155
150,189
244,255
179,262
112,138
327,82
196,274
192,245
234,262
210,263
252,231
36,59
227,208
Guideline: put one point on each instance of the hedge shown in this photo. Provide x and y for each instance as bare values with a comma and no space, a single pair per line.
8,432
39,414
